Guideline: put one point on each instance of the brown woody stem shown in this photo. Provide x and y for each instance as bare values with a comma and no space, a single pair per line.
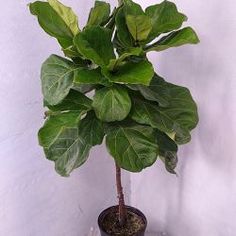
122,209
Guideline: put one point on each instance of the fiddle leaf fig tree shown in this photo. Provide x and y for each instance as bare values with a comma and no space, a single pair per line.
141,116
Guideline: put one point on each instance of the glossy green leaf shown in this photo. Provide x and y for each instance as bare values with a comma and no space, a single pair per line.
114,63
61,26
156,91
66,14
99,14
54,125
133,147
175,39
83,88
111,103
181,135
139,27
75,154
145,112
167,151
87,76
132,8
165,18
71,52
57,75
131,73
123,35
62,143
74,102
139,24
94,43
179,117
165,143
132,21
91,129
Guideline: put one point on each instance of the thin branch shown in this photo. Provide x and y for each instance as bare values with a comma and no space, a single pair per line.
122,209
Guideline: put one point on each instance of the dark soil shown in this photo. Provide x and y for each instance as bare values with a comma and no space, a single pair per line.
133,225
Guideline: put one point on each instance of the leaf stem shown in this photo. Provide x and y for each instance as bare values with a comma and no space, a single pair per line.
122,209
150,47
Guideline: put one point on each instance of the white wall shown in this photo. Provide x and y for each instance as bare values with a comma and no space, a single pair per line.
34,200
202,199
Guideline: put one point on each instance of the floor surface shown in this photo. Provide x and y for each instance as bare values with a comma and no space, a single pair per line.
95,232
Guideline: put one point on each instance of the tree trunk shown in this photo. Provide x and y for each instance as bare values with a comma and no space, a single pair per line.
122,210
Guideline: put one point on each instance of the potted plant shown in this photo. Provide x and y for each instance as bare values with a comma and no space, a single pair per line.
140,115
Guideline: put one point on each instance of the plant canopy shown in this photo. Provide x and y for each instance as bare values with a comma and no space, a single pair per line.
139,114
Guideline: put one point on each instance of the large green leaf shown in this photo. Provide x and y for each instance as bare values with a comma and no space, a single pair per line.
114,63
91,129
132,8
133,147
165,18
111,103
71,52
54,126
75,153
131,73
139,27
57,75
181,135
156,91
66,14
94,43
123,35
178,118
87,76
175,39
145,112
167,151
57,20
138,23
74,102
62,144
99,14
83,88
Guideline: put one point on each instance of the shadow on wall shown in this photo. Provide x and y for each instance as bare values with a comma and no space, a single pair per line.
200,69
195,68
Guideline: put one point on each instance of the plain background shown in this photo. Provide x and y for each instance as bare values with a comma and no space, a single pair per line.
35,201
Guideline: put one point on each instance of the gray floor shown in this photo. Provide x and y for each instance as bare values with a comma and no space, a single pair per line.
95,232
